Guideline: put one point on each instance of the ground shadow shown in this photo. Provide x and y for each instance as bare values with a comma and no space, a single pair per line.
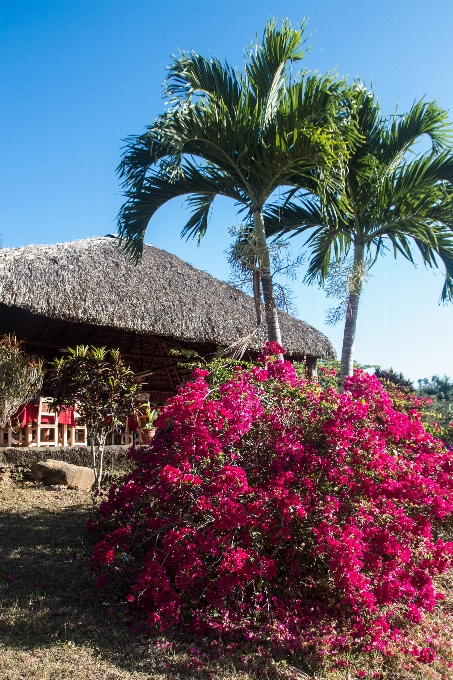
48,596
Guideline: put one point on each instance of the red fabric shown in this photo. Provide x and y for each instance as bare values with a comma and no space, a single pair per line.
132,424
26,414
67,417
29,414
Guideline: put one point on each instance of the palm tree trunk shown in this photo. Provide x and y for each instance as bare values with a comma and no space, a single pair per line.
272,322
347,353
257,295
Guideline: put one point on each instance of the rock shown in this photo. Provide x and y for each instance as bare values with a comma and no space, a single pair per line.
59,472
5,478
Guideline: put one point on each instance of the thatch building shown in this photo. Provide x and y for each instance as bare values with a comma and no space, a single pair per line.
88,292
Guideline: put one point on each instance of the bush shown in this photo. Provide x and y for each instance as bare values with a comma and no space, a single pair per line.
391,377
103,388
438,412
21,377
272,507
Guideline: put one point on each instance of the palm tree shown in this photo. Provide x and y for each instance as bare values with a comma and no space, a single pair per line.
237,135
395,201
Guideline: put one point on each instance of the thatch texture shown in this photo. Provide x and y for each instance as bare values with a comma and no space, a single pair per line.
92,281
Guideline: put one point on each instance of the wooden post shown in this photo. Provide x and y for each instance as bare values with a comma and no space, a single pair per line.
312,370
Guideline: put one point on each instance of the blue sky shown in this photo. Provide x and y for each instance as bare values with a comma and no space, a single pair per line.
77,76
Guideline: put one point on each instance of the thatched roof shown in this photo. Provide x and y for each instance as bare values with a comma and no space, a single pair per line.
92,281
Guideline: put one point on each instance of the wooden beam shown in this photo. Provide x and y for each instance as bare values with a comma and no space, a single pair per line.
54,345
18,320
312,369
46,328
154,371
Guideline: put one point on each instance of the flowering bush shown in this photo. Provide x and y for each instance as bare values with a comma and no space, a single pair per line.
436,418
271,506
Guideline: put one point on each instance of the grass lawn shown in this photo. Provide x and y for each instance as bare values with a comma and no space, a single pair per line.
56,625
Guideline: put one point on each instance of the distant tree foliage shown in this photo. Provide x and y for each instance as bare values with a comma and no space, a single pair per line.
391,376
440,412
441,388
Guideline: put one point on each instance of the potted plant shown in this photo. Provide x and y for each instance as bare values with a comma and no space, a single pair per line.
148,430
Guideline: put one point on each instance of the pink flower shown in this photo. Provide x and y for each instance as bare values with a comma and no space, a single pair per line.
271,348
102,580
275,507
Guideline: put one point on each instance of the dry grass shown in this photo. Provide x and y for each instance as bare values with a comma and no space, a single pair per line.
55,624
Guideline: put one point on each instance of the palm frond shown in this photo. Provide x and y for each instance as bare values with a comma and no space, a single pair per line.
326,245
369,117
266,63
424,118
445,252
416,195
291,218
308,143
191,75
197,225
135,162
301,211
438,245
142,152
157,190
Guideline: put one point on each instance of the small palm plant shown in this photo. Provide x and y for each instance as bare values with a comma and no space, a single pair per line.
151,415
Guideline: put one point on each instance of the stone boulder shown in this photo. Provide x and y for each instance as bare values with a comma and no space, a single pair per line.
5,477
58,472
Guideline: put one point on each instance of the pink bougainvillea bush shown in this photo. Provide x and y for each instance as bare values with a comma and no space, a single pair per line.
274,507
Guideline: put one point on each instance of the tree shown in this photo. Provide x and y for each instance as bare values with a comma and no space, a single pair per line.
240,135
21,377
390,377
438,412
441,388
102,387
243,258
393,200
